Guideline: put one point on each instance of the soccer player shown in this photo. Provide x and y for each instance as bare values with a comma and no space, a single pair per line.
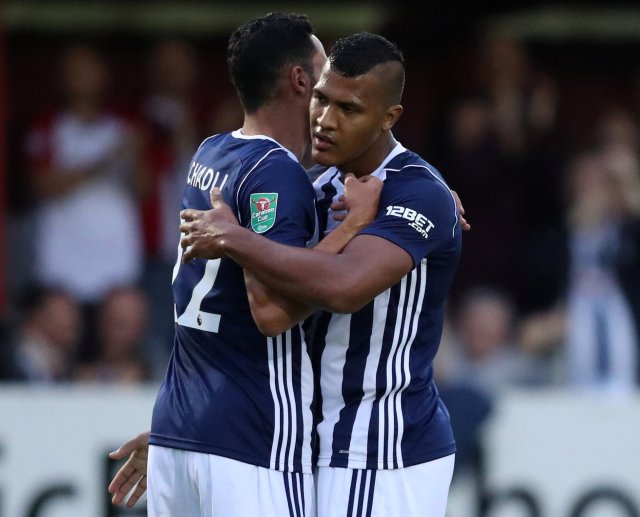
386,446
233,414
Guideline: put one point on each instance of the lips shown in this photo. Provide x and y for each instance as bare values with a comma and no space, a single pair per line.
322,142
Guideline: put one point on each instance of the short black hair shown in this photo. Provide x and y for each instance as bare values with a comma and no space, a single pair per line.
355,55
260,48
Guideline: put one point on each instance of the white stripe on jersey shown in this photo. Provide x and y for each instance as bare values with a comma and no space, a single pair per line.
284,401
306,396
397,366
332,368
407,353
284,433
383,405
276,403
291,402
360,431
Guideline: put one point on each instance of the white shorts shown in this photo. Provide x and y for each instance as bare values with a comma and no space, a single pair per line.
416,491
193,484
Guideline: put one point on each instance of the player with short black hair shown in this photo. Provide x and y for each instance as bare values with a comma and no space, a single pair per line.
231,429
259,49
385,440
386,444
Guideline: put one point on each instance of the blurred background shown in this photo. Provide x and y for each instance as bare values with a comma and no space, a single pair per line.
531,110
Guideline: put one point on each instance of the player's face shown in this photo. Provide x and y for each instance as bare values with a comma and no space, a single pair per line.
348,119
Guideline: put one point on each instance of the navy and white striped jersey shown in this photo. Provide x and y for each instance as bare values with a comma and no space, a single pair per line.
229,390
380,406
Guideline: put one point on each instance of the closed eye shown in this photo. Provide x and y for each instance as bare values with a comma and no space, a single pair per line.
348,107
317,96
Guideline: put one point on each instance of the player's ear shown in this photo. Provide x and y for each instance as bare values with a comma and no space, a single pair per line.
391,116
299,79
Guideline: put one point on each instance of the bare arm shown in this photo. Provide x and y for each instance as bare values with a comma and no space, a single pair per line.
272,312
339,283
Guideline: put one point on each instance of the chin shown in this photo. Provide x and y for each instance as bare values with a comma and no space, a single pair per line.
322,158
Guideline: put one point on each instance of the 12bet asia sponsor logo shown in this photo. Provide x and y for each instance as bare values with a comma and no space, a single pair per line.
417,221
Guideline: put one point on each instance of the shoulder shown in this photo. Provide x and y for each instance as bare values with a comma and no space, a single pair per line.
413,186
410,174
274,169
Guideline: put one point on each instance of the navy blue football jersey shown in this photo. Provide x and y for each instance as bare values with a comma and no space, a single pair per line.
380,407
229,390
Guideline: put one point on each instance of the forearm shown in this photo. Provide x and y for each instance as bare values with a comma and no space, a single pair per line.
273,313
299,274
336,240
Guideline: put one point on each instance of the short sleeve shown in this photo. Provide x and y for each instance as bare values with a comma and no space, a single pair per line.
417,213
277,200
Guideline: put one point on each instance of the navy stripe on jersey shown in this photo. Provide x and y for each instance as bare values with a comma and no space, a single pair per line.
325,197
388,409
396,370
354,371
316,325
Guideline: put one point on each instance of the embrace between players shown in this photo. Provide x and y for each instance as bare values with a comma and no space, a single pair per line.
307,316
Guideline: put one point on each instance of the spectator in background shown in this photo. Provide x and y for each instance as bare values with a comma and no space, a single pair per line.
83,170
170,117
523,101
47,337
173,124
479,360
478,172
482,349
595,272
122,324
497,144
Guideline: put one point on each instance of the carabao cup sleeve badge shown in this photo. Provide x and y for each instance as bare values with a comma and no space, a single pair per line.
263,211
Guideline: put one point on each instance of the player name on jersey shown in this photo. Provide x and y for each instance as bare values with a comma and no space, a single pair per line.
205,178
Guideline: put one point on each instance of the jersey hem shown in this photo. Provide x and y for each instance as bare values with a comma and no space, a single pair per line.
374,464
182,444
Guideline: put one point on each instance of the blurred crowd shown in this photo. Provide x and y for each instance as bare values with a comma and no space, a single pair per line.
105,185
548,288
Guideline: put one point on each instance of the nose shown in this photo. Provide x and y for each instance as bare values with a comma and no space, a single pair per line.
326,118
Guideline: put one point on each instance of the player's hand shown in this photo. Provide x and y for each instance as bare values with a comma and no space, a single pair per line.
463,222
133,473
203,230
361,198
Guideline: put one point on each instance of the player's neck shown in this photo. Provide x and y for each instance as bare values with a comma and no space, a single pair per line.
280,124
372,158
